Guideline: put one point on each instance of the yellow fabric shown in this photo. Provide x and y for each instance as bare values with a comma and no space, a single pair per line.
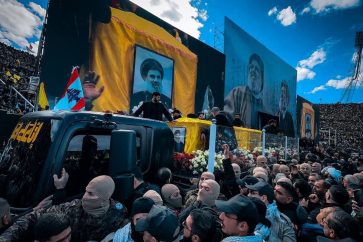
8,73
112,58
246,138
42,98
307,109
194,128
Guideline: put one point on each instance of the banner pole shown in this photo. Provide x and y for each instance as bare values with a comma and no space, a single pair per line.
212,146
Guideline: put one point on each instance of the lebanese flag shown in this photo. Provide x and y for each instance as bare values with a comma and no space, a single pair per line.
30,48
72,98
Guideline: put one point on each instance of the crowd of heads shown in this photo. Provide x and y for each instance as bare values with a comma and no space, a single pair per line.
273,200
344,120
15,69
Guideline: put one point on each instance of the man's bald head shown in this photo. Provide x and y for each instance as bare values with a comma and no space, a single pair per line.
261,161
206,176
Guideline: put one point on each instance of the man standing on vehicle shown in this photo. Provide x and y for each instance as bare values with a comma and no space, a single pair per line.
153,109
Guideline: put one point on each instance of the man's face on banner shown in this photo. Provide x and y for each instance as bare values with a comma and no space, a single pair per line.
255,76
177,137
153,81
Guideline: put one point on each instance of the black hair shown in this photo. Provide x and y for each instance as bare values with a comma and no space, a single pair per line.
304,187
192,115
151,64
261,209
49,225
344,225
164,174
138,174
339,194
204,224
289,188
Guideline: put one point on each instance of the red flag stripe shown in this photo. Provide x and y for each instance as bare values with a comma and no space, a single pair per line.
79,105
73,77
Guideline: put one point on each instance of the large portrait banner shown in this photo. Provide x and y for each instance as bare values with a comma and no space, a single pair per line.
153,72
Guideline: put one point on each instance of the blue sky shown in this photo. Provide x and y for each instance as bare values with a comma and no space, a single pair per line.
314,36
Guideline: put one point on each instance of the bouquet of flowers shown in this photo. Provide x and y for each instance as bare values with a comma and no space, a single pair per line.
182,161
200,161
243,153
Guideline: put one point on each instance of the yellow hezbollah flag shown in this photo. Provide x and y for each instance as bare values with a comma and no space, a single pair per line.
8,73
42,98
112,57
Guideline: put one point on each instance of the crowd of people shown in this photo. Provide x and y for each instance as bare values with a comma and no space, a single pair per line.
347,125
15,69
319,198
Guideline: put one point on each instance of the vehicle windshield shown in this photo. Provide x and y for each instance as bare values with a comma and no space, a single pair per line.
23,158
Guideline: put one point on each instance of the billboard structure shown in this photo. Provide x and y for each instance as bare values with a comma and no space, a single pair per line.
257,82
109,42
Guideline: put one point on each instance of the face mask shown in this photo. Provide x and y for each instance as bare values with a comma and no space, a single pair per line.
96,207
175,202
205,197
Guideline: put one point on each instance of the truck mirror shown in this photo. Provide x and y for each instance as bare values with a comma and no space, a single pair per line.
123,162
122,152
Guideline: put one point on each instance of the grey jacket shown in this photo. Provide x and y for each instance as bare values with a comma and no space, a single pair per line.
282,229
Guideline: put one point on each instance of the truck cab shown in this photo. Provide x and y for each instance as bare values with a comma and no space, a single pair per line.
86,144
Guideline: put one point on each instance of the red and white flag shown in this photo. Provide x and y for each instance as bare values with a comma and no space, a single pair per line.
72,98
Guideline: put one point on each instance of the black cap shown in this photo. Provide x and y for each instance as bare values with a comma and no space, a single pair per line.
247,180
141,205
263,188
242,207
161,223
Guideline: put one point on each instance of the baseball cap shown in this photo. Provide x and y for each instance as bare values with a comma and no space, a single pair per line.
161,223
264,189
242,207
141,205
247,180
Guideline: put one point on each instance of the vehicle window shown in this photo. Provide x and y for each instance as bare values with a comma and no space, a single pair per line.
87,157
22,161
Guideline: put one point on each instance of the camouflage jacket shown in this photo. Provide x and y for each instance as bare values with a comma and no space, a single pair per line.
84,226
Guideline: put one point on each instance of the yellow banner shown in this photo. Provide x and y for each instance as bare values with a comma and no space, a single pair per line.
246,138
113,54
42,98
27,132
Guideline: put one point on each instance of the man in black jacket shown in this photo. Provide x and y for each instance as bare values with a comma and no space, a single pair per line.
153,109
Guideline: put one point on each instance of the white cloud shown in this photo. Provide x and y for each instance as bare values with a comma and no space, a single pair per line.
304,73
37,9
272,11
318,57
304,68
286,16
305,10
317,89
338,84
321,6
18,23
181,14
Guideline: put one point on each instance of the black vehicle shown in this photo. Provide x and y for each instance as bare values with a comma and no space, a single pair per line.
86,144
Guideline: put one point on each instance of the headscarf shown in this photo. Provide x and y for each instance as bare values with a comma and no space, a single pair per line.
102,188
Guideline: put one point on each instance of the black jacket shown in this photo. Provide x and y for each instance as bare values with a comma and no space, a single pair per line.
153,110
